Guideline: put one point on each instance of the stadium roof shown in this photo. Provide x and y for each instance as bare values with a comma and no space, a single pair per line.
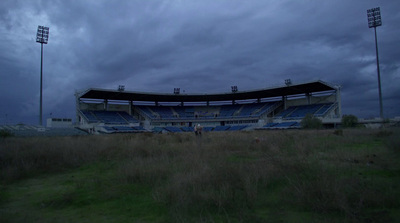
295,89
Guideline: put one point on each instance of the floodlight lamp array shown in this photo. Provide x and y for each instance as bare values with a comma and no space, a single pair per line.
374,17
177,90
121,88
234,89
42,35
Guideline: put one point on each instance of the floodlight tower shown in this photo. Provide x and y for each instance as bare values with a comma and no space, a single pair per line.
375,20
42,36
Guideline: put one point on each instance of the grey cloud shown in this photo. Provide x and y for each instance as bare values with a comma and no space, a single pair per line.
199,46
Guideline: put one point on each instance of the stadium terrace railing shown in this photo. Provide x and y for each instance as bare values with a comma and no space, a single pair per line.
108,117
300,111
282,125
123,129
89,116
174,113
324,109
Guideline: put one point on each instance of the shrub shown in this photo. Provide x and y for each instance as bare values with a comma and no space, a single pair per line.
311,122
5,133
349,121
338,132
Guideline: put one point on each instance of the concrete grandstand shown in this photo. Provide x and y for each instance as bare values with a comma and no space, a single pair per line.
22,130
283,107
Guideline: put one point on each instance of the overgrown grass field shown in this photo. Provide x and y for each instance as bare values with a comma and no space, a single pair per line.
260,176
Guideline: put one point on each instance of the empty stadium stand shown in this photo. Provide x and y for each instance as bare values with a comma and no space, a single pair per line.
109,117
299,112
222,112
228,111
280,107
282,125
90,116
324,109
172,129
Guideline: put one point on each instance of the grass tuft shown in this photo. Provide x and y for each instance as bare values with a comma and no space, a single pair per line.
283,176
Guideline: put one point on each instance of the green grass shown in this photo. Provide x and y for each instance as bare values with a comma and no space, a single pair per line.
82,195
286,176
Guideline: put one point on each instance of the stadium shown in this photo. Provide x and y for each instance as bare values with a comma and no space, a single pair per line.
118,111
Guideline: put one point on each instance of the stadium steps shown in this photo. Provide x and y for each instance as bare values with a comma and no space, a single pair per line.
128,118
89,116
145,111
320,110
153,114
272,108
293,110
110,117
268,107
248,110
141,112
163,112
302,110
260,109
95,116
239,110
285,112
174,113
298,112
325,109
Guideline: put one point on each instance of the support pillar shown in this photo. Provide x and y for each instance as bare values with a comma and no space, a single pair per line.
308,96
105,104
284,98
338,110
130,107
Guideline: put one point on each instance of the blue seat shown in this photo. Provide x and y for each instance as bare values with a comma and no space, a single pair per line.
208,129
172,129
187,129
221,128
237,127
269,125
285,125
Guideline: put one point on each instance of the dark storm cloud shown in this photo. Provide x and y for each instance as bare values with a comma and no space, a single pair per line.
199,46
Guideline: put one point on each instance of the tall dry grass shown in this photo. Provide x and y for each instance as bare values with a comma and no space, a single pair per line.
228,173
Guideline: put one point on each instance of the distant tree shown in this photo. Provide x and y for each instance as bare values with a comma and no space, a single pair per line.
311,122
5,133
349,121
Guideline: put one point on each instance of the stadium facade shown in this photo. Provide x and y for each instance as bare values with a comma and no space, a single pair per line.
283,107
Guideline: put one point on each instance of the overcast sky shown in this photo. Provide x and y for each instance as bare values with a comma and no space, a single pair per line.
199,46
